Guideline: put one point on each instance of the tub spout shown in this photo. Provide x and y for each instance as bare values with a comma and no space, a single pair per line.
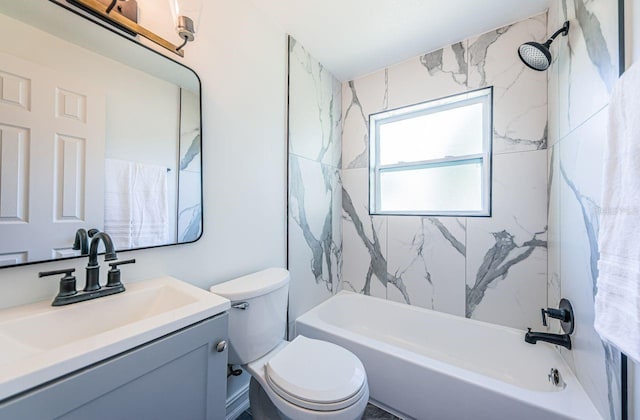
533,337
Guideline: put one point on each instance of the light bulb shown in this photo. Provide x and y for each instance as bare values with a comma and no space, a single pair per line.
186,17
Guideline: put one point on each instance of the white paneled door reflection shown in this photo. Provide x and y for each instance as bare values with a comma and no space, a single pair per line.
52,148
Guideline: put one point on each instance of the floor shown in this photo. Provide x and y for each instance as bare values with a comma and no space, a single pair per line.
374,413
371,413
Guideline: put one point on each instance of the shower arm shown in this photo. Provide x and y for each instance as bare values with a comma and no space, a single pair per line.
564,31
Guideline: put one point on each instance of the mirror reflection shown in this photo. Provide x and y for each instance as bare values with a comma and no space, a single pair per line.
97,133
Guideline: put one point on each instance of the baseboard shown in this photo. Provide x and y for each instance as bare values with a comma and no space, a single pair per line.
238,403
386,408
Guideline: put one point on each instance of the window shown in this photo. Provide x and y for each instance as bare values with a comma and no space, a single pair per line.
433,158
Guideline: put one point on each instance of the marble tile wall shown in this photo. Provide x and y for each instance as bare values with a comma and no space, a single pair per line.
540,243
583,72
315,186
491,269
190,170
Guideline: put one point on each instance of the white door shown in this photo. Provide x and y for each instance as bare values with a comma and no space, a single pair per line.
52,143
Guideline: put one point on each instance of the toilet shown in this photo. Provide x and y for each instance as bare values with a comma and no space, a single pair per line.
298,380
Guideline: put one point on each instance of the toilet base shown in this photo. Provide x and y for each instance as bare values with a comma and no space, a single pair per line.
261,406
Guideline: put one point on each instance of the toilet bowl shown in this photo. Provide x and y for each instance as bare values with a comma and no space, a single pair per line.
298,380
301,385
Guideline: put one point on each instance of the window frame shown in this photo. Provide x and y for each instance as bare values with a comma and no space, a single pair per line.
483,96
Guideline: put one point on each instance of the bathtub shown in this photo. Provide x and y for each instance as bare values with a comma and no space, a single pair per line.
423,364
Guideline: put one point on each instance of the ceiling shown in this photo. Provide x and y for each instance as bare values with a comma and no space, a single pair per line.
352,38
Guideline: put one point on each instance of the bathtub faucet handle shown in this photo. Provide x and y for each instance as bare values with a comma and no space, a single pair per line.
560,314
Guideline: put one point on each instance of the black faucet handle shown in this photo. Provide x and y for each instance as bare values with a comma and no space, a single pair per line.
67,272
560,314
113,277
115,264
67,285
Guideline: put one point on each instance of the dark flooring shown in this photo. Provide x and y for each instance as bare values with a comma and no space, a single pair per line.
374,413
371,413
245,416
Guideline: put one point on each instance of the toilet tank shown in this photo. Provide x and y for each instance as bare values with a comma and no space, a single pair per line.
258,314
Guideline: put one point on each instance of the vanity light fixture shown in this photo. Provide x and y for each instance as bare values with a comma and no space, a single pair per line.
186,17
123,15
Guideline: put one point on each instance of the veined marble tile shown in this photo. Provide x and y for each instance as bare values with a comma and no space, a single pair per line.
581,159
315,188
507,252
520,94
364,239
315,233
190,139
518,242
189,180
426,77
553,74
580,80
588,60
554,293
314,108
189,206
360,98
430,76
428,253
190,146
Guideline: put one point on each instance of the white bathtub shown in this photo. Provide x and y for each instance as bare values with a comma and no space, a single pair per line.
426,365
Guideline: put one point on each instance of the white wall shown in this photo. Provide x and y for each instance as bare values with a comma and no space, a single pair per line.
241,61
632,39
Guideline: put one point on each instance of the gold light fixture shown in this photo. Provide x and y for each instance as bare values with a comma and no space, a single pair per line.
123,15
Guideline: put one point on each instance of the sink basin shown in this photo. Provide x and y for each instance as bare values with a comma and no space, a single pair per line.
39,342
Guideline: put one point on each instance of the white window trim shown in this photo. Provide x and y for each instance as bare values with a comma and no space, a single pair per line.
483,96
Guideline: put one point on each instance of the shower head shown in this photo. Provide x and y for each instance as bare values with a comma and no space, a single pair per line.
537,56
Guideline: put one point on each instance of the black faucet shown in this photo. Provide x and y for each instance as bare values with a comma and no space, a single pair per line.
81,241
533,337
92,290
93,269
565,315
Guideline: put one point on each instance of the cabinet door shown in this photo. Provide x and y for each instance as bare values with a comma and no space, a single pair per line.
180,376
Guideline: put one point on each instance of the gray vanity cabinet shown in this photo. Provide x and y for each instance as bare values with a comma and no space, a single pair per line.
179,376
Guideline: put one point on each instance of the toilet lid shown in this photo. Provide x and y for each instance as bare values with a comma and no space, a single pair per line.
316,374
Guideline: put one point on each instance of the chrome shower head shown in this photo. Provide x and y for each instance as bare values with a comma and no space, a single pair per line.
537,56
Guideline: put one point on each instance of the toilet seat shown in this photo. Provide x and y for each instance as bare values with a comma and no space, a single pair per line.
316,375
315,406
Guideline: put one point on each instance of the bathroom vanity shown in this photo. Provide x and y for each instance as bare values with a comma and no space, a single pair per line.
156,351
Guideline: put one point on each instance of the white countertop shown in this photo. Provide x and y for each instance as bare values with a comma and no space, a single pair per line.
39,343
